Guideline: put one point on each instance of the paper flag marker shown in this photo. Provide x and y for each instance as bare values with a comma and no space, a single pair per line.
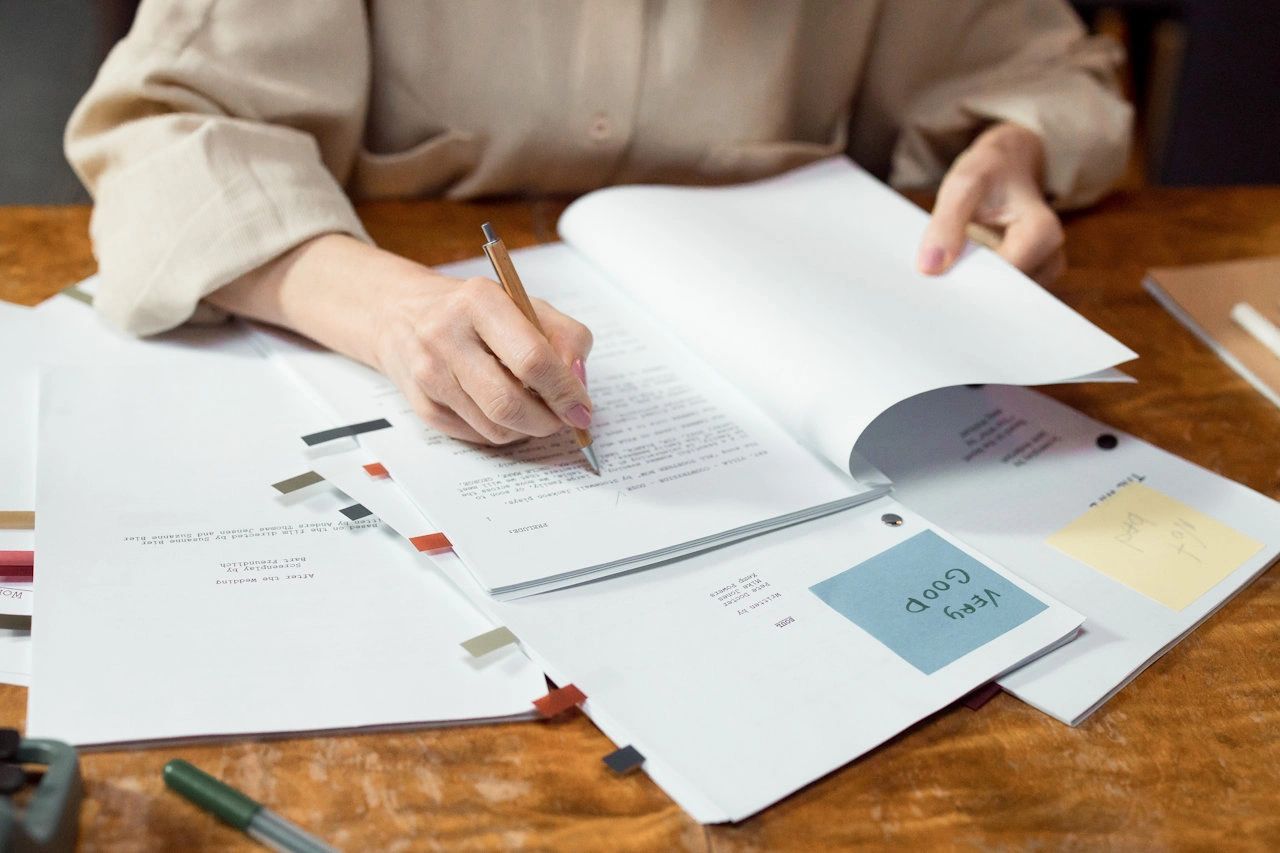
981,696
345,431
559,700
17,559
310,478
17,520
489,641
431,543
624,760
376,470
355,512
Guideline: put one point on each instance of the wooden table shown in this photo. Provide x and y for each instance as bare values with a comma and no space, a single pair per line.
1188,756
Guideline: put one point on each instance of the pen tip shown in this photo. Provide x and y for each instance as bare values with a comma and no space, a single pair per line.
590,453
488,233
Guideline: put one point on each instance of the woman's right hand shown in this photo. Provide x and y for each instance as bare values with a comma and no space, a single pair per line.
460,351
474,367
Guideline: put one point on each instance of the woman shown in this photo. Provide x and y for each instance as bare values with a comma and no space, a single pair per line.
223,141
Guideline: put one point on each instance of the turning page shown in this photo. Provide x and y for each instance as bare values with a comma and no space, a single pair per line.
1146,545
180,595
802,290
745,673
687,461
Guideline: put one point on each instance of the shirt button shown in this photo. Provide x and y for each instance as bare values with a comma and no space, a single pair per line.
601,128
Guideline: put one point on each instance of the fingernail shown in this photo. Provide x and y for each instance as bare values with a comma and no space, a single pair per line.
931,259
579,370
579,416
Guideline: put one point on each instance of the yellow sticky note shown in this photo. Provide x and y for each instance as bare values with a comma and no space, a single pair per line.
1155,545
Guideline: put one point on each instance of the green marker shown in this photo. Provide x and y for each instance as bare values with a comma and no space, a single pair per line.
231,806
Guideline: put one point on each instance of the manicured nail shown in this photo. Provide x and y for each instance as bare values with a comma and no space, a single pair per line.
931,259
579,416
579,370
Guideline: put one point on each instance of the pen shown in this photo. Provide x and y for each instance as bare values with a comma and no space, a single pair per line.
496,251
230,806
1252,321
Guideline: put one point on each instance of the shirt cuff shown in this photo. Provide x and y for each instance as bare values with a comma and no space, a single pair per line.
196,214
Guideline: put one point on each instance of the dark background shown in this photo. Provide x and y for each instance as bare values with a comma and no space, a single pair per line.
1203,74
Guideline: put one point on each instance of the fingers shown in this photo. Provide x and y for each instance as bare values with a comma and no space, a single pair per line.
1032,238
502,400
1049,271
441,418
996,181
570,339
944,238
474,367
433,382
529,356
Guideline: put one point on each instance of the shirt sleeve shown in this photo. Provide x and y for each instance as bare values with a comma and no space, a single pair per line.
1028,62
215,138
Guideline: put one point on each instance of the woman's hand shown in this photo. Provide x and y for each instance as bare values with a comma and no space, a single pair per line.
461,352
472,366
997,182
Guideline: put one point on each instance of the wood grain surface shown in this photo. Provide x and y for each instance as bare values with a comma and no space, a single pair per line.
1186,757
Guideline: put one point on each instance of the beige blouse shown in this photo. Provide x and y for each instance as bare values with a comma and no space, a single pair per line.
221,133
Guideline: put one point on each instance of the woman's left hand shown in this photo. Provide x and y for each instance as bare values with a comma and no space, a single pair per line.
997,182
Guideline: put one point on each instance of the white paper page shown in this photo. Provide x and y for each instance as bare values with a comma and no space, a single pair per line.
737,683
181,596
684,455
1033,466
15,656
65,331
803,291
62,330
16,597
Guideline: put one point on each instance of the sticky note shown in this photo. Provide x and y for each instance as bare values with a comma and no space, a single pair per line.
624,760
559,700
481,644
355,512
345,431
301,481
17,520
1155,545
376,470
431,543
928,601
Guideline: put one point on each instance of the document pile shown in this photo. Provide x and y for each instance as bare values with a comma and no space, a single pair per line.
808,534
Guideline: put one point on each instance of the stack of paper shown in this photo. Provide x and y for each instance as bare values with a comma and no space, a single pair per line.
159,538
744,673
1145,544
180,596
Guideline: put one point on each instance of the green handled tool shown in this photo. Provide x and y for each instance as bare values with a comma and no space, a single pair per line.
232,807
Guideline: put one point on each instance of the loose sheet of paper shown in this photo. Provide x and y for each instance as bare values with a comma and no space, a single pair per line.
738,682
685,458
180,596
802,290
1104,522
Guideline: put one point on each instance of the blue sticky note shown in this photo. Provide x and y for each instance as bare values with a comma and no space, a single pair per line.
928,601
